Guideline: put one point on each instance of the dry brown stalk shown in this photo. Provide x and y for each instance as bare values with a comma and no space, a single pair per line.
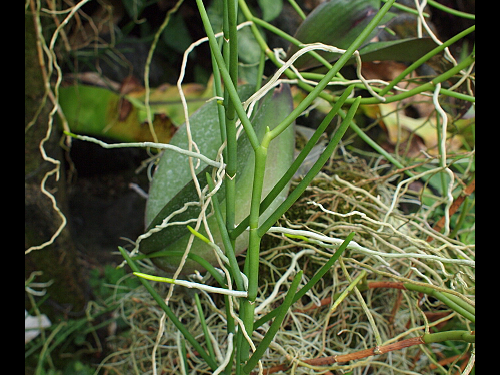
327,361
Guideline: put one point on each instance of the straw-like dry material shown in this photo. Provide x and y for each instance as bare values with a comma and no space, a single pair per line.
389,246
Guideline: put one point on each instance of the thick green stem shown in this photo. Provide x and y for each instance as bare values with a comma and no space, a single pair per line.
256,232
228,244
282,183
449,335
231,52
453,302
232,10
273,329
228,84
243,347
252,262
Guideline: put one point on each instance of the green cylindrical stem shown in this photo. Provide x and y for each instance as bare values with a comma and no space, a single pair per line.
229,86
232,8
228,244
448,299
231,50
449,335
281,184
271,332
252,262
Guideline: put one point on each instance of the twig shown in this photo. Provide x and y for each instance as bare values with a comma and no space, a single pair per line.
377,350
325,361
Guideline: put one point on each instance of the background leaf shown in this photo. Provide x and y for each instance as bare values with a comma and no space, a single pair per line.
270,9
101,112
410,49
176,34
336,23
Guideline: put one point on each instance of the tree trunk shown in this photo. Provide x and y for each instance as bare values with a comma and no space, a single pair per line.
58,261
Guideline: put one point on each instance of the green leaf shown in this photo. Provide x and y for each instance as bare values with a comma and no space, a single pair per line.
102,112
172,183
248,48
176,34
410,49
86,107
336,23
134,8
270,9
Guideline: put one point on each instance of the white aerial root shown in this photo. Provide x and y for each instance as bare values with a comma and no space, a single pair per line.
329,242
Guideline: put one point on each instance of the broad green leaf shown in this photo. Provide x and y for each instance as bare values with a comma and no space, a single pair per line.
172,173
172,183
409,49
101,112
336,23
